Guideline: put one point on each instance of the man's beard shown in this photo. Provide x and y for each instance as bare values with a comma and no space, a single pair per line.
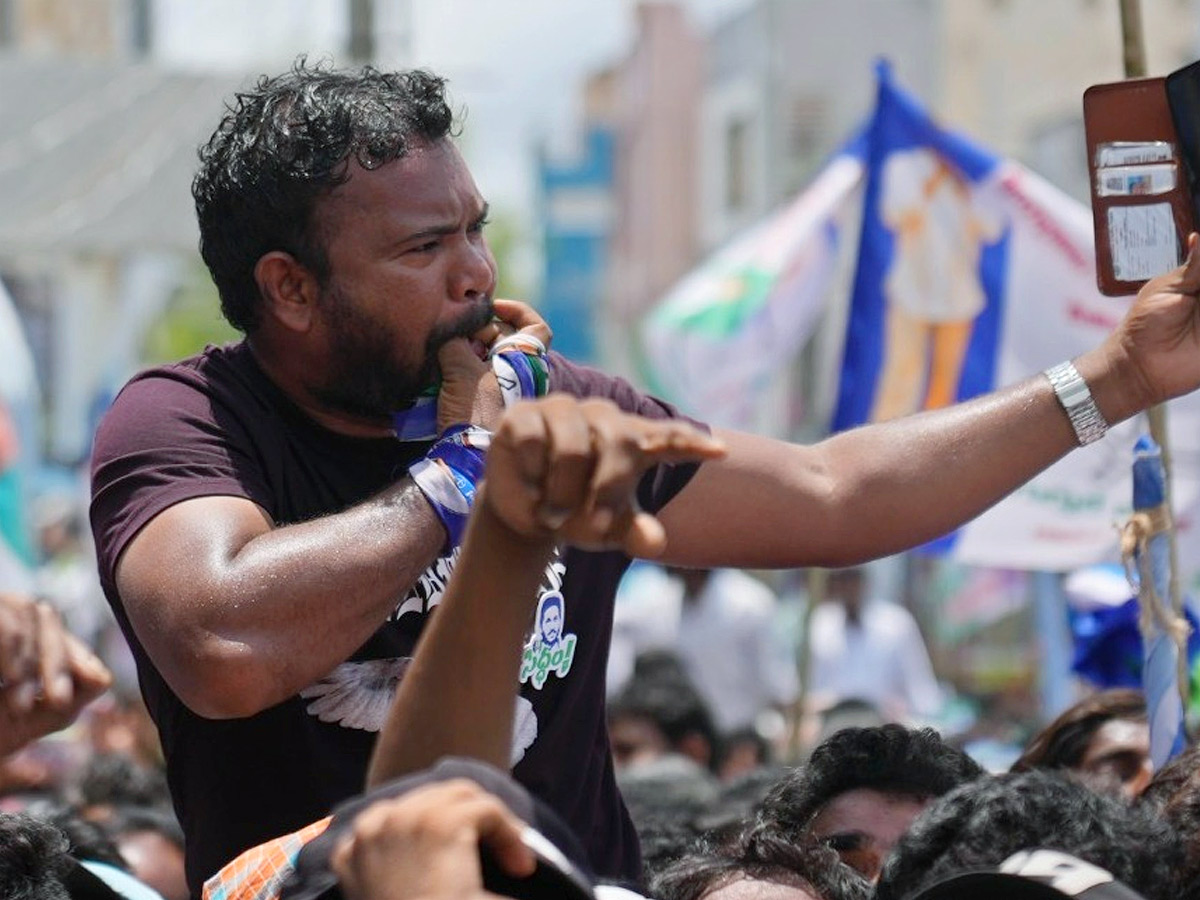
364,377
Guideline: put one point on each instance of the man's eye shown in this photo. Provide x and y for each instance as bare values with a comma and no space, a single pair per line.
426,247
479,225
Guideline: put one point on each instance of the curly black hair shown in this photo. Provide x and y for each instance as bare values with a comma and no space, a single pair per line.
888,758
763,855
284,144
33,859
981,824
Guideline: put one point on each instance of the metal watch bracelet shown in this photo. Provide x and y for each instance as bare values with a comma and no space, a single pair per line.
1078,403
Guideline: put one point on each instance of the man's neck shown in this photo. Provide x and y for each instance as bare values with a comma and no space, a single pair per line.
335,420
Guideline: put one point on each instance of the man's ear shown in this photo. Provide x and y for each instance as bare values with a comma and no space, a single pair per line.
289,289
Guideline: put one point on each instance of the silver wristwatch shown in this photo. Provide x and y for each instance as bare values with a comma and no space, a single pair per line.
1072,392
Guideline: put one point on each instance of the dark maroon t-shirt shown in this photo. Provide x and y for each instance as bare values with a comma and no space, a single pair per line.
215,425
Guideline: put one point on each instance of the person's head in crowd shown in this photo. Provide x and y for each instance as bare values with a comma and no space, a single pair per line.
693,580
1104,738
34,859
741,752
766,865
851,712
120,725
667,798
1173,777
983,823
862,787
848,587
725,822
150,841
86,839
1174,795
112,780
1031,875
660,713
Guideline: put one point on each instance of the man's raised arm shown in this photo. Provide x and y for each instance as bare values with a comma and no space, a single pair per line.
888,487
239,613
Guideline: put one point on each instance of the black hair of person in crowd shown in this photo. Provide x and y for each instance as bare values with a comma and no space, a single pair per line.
882,776
150,841
763,857
659,711
88,840
1174,796
33,859
1173,777
112,780
741,751
667,798
983,823
1104,737
736,809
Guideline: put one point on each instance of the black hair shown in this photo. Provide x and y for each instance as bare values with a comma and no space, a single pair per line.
283,145
667,799
981,824
1063,743
115,779
87,840
888,758
763,855
33,859
672,702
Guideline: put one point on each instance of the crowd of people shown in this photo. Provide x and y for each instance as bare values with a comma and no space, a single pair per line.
365,562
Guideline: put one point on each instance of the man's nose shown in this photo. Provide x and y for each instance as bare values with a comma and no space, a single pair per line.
475,271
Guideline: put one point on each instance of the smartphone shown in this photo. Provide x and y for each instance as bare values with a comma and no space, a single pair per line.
1183,98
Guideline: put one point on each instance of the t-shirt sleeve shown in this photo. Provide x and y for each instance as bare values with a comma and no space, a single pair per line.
660,483
164,440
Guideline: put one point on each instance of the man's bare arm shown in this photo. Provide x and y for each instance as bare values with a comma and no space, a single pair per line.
239,614
558,469
884,488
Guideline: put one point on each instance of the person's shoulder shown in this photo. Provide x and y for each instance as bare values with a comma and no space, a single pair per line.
163,397
198,372
585,381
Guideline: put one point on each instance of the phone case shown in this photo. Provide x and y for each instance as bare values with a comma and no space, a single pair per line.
1141,200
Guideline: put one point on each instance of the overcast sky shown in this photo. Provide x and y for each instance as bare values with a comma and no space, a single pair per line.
515,65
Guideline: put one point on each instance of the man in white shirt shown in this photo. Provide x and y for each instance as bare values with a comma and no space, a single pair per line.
869,649
722,624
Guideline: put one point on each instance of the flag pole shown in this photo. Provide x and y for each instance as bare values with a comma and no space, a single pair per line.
1133,44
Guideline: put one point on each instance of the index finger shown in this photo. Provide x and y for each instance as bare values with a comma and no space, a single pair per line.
678,442
53,662
523,317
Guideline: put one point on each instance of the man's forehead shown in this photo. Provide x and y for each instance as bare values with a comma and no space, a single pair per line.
422,187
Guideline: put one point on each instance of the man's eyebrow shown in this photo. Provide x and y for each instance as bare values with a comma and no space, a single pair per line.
443,230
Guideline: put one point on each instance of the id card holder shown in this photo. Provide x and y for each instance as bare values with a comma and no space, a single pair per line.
1141,198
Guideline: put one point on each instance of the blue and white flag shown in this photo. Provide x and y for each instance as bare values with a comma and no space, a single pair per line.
974,273
1164,631
929,288
722,334
970,272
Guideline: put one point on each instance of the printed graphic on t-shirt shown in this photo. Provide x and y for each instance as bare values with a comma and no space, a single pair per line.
550,647
359,694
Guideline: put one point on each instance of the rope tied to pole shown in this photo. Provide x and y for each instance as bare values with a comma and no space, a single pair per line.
1154,611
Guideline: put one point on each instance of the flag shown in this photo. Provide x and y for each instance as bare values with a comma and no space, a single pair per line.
1147,545
974,273
18,393
718,339
969,272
